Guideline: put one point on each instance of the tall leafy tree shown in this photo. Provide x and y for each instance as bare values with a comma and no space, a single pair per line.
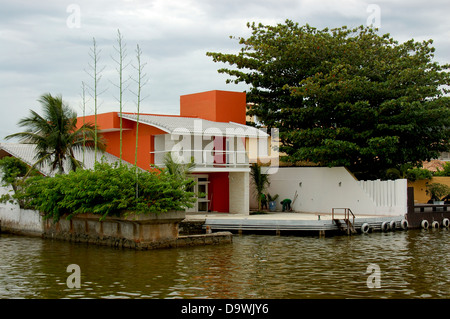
180,170
345,97
55,134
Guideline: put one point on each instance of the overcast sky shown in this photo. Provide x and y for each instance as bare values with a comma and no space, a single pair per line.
45,44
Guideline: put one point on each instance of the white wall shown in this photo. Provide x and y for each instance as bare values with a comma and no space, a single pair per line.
239,192
17,220
389,196
321,188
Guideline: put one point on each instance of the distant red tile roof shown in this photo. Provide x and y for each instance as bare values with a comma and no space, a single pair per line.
433,165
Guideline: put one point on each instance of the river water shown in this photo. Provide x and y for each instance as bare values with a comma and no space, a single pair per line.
411,264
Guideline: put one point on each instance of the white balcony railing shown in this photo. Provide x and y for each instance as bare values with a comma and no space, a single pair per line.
205,158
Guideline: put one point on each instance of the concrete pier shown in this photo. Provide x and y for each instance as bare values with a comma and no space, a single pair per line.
278,223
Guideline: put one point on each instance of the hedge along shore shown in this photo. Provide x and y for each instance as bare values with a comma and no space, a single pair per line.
140,232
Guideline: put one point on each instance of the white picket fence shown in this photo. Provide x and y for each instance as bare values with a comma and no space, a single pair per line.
388,196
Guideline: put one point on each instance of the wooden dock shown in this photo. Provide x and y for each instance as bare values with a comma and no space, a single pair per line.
426,215
338,221
299,223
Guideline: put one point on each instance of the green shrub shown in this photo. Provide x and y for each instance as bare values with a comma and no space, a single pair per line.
445,171
13,172
107,190
11,169
408,172
415,174
438,191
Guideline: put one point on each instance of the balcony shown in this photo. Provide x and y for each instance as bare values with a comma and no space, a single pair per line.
207,160
210,153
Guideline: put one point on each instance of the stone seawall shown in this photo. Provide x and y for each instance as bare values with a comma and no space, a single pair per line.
125,230
182,241
140,232
191,227
205,239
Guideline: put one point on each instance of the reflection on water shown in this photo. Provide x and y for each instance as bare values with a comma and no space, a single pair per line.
413,264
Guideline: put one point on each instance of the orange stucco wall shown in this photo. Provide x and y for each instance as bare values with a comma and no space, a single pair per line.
145,144
219,106
105,121
109,125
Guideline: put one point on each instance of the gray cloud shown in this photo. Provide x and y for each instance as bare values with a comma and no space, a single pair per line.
42,52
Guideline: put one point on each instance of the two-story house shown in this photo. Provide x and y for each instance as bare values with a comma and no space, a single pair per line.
210,128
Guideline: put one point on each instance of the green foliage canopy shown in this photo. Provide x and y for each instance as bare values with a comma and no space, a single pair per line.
438,191
11,169
106,190
344,97
445,170
12,172
418,173
260,181
55,134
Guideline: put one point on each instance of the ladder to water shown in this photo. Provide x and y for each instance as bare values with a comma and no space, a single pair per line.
346,225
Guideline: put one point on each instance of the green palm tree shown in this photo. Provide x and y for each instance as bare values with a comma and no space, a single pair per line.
180,170
260,180
55,134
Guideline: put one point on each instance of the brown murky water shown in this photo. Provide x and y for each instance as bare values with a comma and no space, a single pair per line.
412,264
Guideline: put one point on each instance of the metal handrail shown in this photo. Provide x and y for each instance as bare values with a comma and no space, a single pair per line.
350,212
227,159
347,212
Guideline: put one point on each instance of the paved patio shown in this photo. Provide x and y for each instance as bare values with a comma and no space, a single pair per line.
271,216
285,221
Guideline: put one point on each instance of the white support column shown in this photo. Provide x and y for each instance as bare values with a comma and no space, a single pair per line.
239,192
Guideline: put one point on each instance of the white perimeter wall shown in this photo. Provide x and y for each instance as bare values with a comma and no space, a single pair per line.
321,188
239,192
17,220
